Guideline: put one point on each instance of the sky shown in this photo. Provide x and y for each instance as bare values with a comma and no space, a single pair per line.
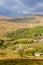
15,8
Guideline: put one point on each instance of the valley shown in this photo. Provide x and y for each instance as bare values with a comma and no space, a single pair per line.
21,38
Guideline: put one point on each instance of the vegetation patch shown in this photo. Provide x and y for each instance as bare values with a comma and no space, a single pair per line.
36,32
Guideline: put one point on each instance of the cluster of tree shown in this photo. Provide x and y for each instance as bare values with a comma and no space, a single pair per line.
36,32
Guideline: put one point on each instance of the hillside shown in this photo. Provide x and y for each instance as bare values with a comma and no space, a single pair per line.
25,32
8,24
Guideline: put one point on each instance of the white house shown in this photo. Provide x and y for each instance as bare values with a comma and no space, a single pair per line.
36,54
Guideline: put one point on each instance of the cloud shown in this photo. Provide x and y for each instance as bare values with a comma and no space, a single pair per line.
15,6
25,12
37,8
19,7
1,3
40,4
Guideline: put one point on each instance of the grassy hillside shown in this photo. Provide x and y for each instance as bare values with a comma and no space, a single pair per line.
25,32
30,38
8,24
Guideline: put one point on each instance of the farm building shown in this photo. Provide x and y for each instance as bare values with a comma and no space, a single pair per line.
38,54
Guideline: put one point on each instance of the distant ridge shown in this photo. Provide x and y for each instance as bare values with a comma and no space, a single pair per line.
5,17
39,15
31,18
25,16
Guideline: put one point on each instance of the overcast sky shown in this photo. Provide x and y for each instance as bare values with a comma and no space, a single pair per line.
20,7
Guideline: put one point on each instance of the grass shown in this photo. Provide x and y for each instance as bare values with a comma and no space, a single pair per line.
21,62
